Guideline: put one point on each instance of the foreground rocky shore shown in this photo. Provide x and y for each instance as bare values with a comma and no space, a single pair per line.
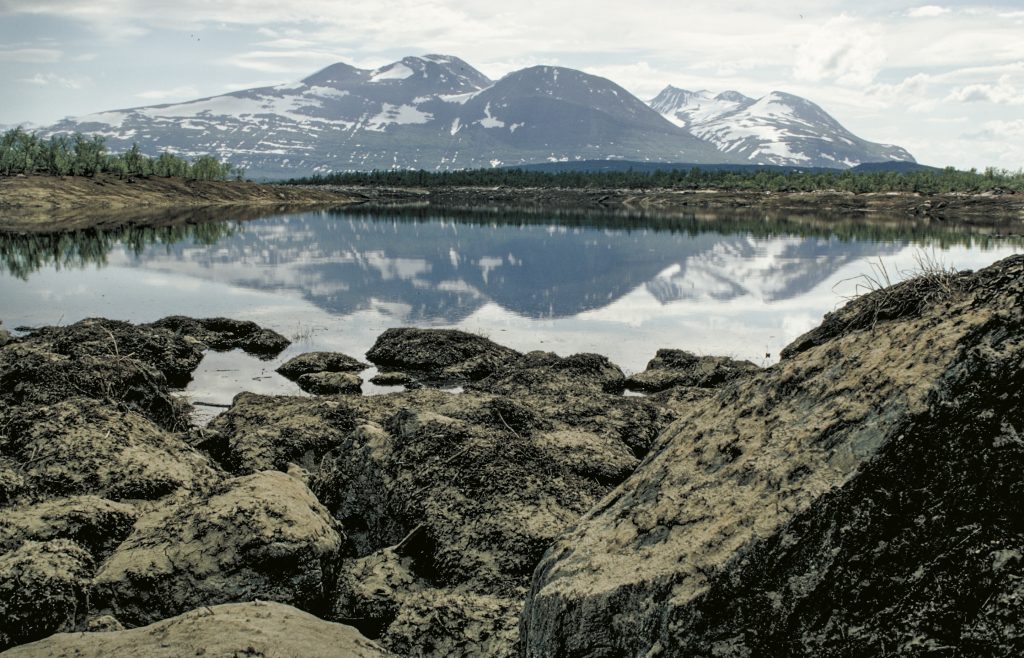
858,498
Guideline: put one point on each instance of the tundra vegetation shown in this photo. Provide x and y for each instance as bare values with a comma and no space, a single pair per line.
923,181
27,153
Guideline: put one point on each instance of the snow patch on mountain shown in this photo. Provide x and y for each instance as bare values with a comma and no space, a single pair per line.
396,71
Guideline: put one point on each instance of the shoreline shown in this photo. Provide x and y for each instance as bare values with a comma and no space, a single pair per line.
53,204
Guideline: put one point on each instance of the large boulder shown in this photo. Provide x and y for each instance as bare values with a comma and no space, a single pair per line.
262,432
84,446
44,588
855,499
331,383
96,524
439,355
260,536
231,629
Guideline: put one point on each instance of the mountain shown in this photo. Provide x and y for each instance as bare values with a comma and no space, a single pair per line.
778,129
431,112
437,112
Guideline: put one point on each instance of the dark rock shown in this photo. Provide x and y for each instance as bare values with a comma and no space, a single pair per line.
95,524
227,334
442,355
855,499
546,373
83,446
43,589
312,362
391,379
330,383
232,629
261,432
260,536
671,368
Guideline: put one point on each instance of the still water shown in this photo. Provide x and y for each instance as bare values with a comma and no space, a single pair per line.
728,285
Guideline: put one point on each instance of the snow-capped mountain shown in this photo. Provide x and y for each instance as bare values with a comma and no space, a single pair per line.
437,112
432,112
778,129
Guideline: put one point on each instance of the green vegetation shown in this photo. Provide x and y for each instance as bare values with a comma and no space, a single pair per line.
77,155
767,180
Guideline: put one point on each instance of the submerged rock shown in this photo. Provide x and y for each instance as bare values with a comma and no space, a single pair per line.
312,362
231,629
439,355
854,499
260,536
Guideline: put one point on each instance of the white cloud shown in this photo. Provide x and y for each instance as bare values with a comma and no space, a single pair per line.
47,79
843,50
928,11
31,55
1003,92
184,92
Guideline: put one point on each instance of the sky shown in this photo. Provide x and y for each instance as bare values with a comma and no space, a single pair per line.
945,81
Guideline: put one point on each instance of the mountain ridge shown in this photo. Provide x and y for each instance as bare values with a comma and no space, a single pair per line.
437,112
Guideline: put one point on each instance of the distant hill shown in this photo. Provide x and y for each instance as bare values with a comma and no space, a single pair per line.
585,166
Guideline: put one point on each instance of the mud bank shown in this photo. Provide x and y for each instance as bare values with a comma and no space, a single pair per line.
857,498
55,203
977,209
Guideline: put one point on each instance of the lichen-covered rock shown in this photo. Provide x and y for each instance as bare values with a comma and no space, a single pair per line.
96,524
260,432
671,368
391,379
231,629
330,383
260,536
546,373
311,362
174,355
439,355
83,446
855,499
31,374
43,589
226,334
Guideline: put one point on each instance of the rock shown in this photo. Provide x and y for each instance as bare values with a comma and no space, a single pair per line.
546,373
103,624
5,337
260,536
227,334
175,356
43,589
671,368
439,355
391,379
857,498
331,383
260,432
96,524
83,446
312,362
30,374
233,629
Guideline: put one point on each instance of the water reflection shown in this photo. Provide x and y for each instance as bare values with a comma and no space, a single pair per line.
615,283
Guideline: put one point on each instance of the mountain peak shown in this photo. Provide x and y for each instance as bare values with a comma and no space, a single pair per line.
335,75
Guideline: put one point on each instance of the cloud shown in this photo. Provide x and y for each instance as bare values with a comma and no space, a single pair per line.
928,11
163,94
47,79
31,55
285,61
843,50
1003,92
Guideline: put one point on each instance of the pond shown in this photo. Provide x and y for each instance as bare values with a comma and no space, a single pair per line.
726,284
